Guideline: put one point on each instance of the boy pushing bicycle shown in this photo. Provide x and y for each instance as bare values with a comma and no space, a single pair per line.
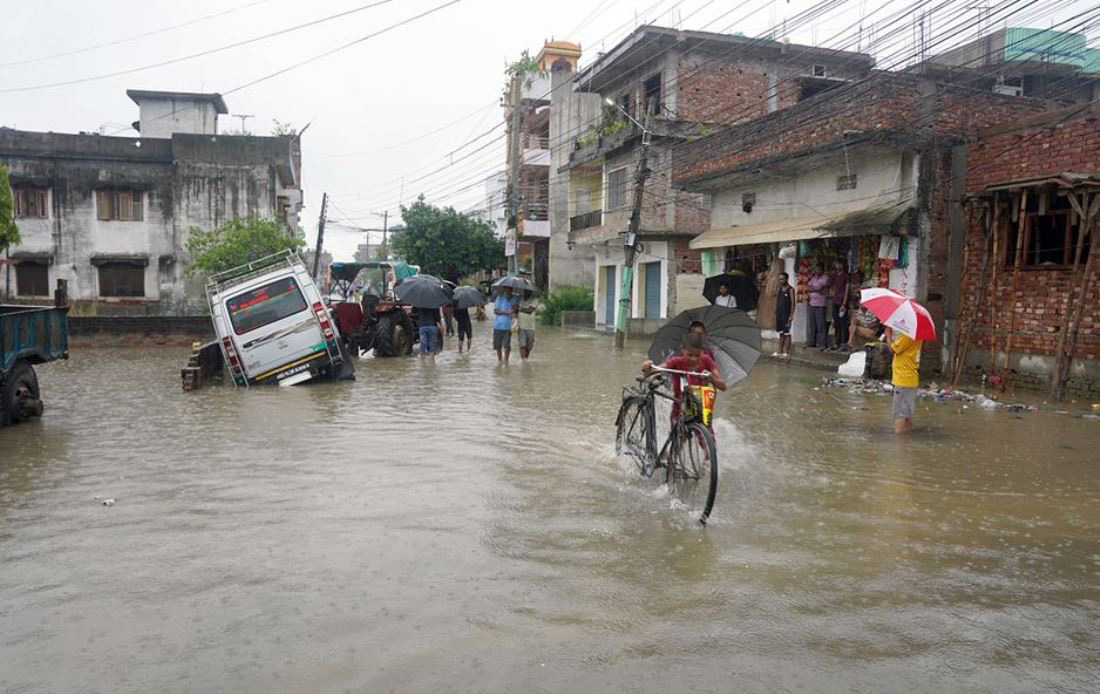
697,368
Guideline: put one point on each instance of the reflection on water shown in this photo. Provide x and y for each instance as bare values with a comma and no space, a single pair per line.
461,526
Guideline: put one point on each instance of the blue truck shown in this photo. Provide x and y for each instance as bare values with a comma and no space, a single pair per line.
29,335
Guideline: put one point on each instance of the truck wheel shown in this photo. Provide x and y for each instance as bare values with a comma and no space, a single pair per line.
393,337
19,399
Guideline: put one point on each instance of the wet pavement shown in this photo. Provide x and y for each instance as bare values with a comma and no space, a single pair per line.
463,527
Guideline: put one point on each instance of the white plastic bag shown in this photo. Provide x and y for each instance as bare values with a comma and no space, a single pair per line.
854,367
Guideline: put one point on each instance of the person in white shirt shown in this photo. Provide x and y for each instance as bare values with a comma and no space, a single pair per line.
724,297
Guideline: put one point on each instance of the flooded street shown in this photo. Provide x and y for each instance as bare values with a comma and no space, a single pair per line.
462,527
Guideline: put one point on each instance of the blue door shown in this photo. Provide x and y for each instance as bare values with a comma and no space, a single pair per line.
609,300
653,290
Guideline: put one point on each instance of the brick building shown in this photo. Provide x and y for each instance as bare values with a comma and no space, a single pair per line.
1032,185
689,83
861,174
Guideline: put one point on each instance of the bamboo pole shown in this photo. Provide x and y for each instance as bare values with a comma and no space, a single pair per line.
994,315
1021,231
962,352
1082,299
1057,379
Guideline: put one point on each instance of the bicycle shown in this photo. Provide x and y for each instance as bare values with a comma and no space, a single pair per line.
689,455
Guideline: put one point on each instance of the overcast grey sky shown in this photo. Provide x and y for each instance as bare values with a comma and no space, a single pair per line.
367,102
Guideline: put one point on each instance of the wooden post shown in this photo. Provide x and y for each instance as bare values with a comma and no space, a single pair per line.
1065,360
962,346
1057,378
1021,231
994,314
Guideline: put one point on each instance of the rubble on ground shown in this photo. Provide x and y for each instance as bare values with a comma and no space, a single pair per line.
933,392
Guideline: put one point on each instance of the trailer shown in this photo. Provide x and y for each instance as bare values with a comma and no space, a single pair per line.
29,336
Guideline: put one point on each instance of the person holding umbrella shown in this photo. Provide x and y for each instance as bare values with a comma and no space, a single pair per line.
504,310
464,299
426,294
912,325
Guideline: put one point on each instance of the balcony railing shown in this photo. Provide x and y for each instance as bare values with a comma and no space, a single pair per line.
536,142
586,220
537,211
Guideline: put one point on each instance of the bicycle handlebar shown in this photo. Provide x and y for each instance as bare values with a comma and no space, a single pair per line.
682,373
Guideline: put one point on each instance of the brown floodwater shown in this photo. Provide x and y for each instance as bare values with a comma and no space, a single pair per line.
461,527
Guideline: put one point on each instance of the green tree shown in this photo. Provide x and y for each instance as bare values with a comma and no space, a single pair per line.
237,242
9,233
282,128
446,243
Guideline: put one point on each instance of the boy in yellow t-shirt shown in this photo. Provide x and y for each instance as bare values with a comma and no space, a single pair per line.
906,379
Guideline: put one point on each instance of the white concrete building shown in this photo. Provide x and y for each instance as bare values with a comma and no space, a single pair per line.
111,215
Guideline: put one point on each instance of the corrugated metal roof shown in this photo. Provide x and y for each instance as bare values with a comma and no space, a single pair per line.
1044,46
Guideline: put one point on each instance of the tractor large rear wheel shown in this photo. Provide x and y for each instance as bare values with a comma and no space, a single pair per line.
19,396
393,337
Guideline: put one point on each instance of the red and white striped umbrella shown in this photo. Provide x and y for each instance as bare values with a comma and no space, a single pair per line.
899,312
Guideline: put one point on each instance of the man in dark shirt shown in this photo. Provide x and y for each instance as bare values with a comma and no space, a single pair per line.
427,319
465,327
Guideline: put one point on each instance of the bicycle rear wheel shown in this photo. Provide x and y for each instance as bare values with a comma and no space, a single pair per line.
692,471
634,433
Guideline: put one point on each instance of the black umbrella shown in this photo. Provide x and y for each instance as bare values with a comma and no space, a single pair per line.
423,291
732,335
467,297
514,283
742,286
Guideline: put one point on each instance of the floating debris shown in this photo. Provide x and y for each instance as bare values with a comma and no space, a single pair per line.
933,392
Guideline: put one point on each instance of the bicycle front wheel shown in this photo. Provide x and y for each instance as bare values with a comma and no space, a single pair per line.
634,434
692,471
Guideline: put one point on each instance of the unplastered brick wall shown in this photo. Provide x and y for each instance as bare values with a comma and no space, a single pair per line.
722,92
686,260
890,104
1072,146
664,209
1039,305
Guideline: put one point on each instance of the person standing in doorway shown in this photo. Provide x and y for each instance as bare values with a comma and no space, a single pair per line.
906,379
427,319
724,297
784,313
819,295
465,327
525,316
504,310
841,316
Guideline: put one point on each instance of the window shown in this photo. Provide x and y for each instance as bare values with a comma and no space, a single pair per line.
119,205
30,203
748,200
846,182
1050,241
264,305
652,90
820,71
616,189
121,279
32,279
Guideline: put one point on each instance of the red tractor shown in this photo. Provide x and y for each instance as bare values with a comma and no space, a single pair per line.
367,313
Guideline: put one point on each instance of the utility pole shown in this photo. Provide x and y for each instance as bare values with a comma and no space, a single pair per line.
515,129
385,235
630,238
320,236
